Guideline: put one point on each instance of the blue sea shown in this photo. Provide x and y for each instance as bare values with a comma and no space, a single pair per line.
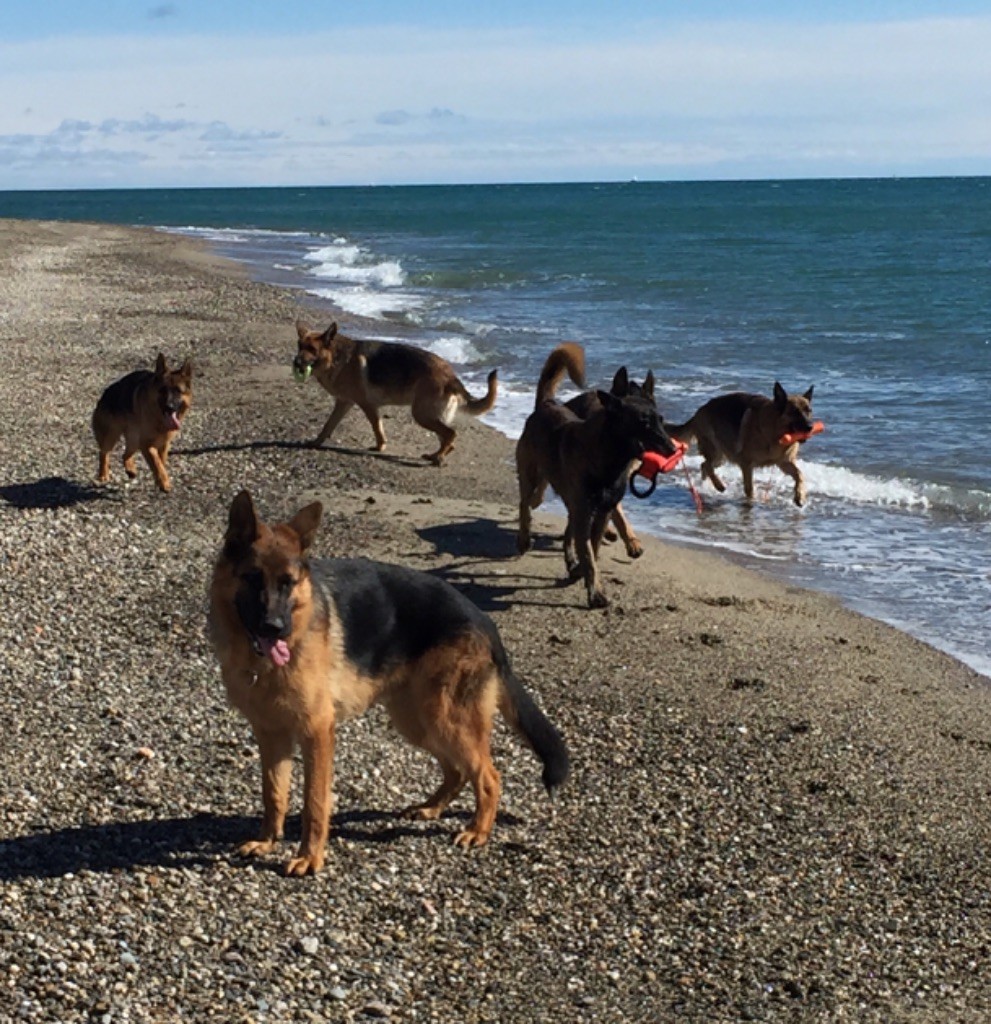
877,292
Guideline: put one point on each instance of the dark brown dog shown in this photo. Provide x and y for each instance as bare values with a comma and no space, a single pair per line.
146,408
587,461
303,643
584,405
373,374
746,430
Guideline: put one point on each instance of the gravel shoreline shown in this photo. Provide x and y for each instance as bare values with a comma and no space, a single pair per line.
779,809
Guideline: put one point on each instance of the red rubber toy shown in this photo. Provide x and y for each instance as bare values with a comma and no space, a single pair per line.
653,463
817,428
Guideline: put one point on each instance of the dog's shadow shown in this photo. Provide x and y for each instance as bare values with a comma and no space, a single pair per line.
188,842
52,492
476,543
244,446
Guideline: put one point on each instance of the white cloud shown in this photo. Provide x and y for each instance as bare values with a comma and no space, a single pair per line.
396,105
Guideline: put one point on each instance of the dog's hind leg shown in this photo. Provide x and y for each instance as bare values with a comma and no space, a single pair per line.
432,415
748,480
340,410
446,437
571,561
434,806
710,461
107,434
530,490
447,708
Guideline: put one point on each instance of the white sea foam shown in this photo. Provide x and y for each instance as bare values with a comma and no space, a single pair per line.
371,304
459,351
233,235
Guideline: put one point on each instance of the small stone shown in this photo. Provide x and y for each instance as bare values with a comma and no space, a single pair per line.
309,944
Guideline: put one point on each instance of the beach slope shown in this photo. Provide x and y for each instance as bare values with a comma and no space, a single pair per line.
780,810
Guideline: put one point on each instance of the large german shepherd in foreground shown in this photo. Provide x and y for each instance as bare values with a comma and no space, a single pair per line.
587,461
372,374
304,642
747,430
146,408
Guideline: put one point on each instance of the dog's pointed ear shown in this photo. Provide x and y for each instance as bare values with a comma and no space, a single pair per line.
648,385
302,329
609,401
780,397
160,368
808,394
242,525
621,383
186,370
305,524
328,335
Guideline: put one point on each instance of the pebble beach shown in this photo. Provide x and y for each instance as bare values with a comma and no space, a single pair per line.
780,810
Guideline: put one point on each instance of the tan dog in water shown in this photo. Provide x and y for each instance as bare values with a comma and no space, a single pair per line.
373,374
304,642
146,408
747,430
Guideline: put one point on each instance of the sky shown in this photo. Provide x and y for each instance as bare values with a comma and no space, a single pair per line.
232,92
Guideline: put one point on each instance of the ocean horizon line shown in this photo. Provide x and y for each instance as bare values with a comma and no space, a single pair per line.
548,183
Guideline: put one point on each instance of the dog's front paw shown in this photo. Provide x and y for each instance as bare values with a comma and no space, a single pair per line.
304,864
596,599
471,838
634,548
800,498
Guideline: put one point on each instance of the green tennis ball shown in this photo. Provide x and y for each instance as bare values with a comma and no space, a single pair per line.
302,376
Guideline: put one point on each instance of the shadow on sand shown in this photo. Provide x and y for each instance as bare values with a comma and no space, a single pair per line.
186,842
52,492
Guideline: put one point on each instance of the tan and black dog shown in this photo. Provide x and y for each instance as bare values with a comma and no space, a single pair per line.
304,643
746,430
146,408
587,461
373,374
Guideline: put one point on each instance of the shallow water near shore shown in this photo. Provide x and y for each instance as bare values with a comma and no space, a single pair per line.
876,292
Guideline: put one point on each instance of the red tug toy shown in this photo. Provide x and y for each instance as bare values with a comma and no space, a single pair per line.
653,463
817,428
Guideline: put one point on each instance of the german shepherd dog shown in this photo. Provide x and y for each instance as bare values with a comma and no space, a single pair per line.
303,643
372,374
587,461
584,405
746,430
146,408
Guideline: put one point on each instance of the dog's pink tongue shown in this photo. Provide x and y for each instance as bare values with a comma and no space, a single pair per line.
279,653
173,421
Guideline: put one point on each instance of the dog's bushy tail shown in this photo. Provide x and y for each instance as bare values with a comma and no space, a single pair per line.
568,358
533,727
477,406
681,431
